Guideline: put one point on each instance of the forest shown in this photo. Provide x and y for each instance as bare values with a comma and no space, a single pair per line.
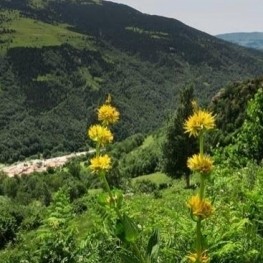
51,83
140,212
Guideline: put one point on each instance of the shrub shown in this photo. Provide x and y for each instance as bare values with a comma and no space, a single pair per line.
146,186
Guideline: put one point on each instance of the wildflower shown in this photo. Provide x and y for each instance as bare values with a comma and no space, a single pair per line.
100,134
200,121
108,114
193,258
200,163
100,163
199,207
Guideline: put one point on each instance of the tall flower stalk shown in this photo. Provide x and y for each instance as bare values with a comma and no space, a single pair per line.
100,164
198,125
101,134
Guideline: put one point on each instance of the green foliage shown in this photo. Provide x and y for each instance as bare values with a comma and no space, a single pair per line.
145,186
10,220
40,186
247,144
234,233
249,140
74,168
41,113
142,160
178,146
51,83
237,220
120,148
56,241
145,161
229,105
157,178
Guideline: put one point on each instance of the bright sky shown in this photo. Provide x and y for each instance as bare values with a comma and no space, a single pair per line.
211,16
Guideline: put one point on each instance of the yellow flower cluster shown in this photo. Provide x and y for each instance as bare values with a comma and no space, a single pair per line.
200,163
108,114
101,135
193,258
100,163
200,121
199,207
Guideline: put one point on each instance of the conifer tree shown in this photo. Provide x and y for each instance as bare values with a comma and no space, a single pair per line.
178,146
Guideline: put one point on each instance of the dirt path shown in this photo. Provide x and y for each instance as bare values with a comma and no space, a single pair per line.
39,165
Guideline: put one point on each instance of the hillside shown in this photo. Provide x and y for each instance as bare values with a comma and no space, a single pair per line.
59,59
229,105
251,40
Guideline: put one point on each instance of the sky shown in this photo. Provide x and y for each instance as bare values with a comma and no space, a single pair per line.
211,16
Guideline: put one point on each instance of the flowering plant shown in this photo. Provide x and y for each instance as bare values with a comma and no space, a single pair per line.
125,228
200,208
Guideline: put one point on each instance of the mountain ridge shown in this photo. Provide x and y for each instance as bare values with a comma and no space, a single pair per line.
246,39
51,86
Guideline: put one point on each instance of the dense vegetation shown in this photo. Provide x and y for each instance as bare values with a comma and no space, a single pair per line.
51,83
229,105
50,89
235,230
60,214
178,146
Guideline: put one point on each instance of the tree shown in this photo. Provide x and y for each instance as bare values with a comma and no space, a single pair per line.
178,146
249,140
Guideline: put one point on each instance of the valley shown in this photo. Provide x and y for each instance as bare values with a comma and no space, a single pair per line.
127,138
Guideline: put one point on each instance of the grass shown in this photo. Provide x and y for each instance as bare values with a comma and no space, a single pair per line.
157,178
27,32
226,231
148,141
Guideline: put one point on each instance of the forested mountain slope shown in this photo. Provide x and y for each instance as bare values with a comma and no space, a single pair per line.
59,59
229,105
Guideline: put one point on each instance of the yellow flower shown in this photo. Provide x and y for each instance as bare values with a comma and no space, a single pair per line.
100,163
198,207
200,121
108,114
193,258
200,163
100,134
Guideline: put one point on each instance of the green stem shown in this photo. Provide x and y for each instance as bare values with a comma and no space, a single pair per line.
106,184
139,254
201,143
97,150
199,247
202,179
202,187
116,209
135,247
